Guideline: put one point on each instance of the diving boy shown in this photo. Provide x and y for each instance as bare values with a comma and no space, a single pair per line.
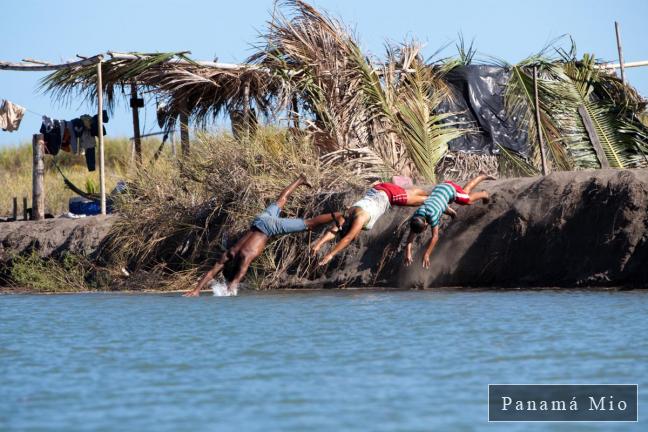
429,214
264,226
363,214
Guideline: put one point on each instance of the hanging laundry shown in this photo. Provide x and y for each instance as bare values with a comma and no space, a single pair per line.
77,127
163,114
66,143
94,130
51,130
90,157
74,142
10,115
86,140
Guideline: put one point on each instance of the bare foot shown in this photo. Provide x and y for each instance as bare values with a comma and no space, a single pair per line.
327,258
232,289
488,176
304,181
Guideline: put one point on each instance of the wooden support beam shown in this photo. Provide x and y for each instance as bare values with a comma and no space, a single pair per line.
206,64
625,65
102,165
294,112
136,124
25,216
49,67
184,134
538,122
38,178
617,30
30,60
15,208
594,139
246,110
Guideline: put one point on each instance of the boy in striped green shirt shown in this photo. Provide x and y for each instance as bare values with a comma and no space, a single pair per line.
433,208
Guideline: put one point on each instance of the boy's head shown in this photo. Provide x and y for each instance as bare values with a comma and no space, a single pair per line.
418,224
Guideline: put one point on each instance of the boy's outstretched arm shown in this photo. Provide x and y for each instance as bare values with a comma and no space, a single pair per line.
326,237
408,248
356,227
329,234
450,212
211,274
430,247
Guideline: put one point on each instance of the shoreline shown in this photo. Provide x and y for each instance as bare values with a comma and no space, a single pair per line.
568,230
27,291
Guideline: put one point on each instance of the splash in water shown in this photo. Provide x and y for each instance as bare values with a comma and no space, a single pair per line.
220,289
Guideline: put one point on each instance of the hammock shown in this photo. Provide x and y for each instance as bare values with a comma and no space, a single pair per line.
74,188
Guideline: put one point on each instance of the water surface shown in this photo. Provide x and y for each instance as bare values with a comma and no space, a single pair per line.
317,361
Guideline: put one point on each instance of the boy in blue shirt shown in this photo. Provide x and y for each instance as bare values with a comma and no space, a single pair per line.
433,208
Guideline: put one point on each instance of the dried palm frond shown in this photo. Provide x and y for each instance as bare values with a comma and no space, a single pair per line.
463,166
186,86
310,52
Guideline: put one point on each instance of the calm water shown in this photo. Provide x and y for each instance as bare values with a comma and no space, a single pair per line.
316,361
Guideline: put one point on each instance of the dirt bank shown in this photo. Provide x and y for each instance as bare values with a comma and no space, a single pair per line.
51,237
583,228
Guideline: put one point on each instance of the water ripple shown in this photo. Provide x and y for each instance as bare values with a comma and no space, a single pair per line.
319,361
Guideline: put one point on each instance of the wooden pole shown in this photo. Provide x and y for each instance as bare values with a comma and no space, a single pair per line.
102,166
38,176
137,139
184,133
15,208
25,217
617,29
295,112
246,110
538,124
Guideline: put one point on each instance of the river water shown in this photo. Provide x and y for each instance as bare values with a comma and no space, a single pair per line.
315,360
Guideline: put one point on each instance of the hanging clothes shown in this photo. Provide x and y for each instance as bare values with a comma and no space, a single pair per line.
77,127
90,157
74,142
86,140
51,130
10,115
66,144
94,127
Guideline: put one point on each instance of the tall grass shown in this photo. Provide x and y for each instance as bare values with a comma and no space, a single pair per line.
180,215
16,173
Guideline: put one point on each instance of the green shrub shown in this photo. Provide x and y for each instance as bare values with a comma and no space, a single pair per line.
68,274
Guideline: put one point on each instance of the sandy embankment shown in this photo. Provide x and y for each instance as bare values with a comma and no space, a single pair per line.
52,237
585,228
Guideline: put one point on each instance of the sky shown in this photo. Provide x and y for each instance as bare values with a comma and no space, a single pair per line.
507,29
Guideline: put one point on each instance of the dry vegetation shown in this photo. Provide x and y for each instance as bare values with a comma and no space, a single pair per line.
180,214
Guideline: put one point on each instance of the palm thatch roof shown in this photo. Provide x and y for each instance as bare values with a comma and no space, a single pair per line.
199,89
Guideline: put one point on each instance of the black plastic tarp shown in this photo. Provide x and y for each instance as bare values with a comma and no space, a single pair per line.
478,98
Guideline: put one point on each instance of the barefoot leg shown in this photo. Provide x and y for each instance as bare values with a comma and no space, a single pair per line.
416,196
283,196
474,182
476,196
